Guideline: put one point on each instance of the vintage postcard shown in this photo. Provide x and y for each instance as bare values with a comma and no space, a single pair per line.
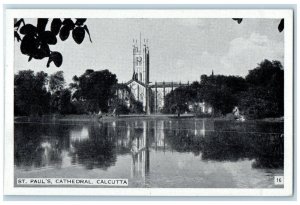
149,102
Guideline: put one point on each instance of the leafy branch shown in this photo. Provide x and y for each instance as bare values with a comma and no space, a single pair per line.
35,40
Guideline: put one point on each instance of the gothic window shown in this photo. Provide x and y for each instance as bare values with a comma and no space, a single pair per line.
141,95
133,87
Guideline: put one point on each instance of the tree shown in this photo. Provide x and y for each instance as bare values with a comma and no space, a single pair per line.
96,88
217,90
266,74
36,40
266,90
221,91
30,94
118,106
258,103
56,81
56,87
65,106
177,100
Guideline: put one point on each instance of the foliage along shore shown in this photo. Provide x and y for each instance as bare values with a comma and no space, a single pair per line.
93,118
258,95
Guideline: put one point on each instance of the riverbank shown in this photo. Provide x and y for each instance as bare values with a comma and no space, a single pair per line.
103,118
274,119
109,117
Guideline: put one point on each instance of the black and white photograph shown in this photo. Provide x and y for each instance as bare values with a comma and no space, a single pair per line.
142,102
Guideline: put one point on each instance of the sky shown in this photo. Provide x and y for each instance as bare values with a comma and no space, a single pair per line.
180,49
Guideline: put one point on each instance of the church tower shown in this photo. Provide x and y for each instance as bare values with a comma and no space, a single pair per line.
140,78
141,61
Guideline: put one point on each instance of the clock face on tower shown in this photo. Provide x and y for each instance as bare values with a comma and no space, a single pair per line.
139,59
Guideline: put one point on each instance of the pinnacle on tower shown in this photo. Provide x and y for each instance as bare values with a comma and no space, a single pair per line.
140,41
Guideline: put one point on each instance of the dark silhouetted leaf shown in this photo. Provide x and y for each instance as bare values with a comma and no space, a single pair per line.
48,37
55,25
39,54
36,40
239,20
87,30
41,24
45,49
64,32
281,25
68,22
17,36
80,22
29,45
56,57
18,23
78,34
28,29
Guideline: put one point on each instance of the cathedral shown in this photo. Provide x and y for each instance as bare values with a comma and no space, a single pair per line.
151,95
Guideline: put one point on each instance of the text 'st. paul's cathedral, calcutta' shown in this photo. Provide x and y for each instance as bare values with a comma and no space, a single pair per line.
151,95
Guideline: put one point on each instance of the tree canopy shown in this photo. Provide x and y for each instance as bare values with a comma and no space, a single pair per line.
95,87
56,81
265,96
30,93
258,95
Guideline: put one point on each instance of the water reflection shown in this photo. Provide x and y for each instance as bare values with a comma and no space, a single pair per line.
98,145
98,151
140,165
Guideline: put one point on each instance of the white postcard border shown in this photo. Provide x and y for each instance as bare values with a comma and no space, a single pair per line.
9,188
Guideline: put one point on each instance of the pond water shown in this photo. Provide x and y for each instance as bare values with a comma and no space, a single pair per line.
161,153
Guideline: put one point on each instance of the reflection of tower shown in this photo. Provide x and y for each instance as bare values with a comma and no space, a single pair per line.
140,165
195,130
128,132
202,131
159,135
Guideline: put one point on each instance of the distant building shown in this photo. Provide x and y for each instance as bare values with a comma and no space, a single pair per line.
151,95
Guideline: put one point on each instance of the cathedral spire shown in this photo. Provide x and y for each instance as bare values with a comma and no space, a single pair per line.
140,41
